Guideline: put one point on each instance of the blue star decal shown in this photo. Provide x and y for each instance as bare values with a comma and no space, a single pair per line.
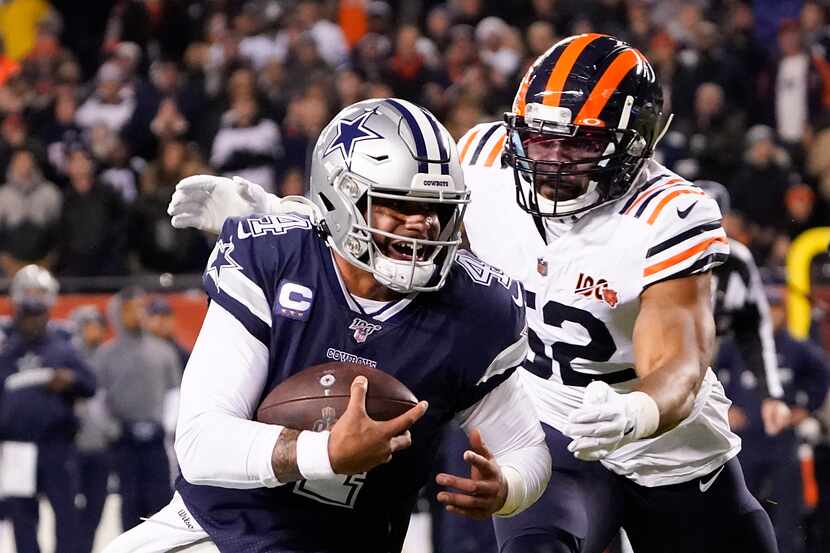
221,259
348,134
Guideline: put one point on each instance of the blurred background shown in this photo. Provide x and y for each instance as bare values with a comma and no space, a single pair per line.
105,105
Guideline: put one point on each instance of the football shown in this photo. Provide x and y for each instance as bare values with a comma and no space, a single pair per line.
316,397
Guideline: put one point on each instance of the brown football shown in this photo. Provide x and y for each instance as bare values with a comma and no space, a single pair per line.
316,397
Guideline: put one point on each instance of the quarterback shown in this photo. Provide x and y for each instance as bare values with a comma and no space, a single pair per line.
376,268
615,253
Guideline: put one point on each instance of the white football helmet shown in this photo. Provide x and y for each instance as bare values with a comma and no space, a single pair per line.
390,149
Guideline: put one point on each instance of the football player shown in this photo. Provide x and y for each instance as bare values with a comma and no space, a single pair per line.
372,277
615,253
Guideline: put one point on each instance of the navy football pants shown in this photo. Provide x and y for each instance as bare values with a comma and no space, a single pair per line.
57,480
585,505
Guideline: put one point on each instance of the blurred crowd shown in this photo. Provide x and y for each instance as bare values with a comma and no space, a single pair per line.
103,111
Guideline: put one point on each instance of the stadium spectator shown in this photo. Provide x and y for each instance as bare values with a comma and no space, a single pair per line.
60,131
795,87
121,171
92,237
157,246
247,144
139,374
759,187
30,208
112,105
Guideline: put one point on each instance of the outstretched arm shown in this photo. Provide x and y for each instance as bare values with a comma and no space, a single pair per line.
673,338
205,201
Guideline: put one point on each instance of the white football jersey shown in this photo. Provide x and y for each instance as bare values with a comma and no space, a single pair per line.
583,295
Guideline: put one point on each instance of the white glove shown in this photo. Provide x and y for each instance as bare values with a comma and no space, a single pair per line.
205,201
607,420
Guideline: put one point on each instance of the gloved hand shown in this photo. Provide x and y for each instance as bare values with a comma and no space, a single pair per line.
607,421
205,201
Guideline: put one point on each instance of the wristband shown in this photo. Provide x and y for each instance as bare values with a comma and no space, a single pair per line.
313,455
515,492
645,413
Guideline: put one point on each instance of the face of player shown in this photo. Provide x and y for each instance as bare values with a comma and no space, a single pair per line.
406,218
32,324
563,150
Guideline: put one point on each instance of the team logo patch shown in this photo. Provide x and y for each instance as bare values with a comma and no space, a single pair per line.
350,133
363,329
588,286
221,261
294,300
541,266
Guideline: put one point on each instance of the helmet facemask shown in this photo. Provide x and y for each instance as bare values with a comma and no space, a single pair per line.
384,253
565,169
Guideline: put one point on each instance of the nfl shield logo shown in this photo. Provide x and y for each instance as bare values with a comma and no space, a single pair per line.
363,329
541,266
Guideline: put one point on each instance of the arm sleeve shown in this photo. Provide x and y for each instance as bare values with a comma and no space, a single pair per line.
511,430
217,443
741,296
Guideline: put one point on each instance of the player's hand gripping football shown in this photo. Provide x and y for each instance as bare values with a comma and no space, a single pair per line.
484,492
205,201
359,443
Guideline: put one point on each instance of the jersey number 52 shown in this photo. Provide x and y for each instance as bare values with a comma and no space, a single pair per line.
600,348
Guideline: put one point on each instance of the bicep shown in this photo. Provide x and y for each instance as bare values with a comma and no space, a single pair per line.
674,324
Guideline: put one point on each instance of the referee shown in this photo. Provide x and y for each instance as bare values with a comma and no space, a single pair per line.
742,313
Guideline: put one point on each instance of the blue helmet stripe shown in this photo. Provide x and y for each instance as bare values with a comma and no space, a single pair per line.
445,167
417,134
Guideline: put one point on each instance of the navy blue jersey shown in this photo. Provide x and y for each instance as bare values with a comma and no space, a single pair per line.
278,278
32,412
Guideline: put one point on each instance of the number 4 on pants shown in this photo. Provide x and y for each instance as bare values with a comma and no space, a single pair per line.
341,491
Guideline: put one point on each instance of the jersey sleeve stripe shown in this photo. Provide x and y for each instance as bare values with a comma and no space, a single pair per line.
648,194
703,264
482,142
466,146
683,256
667,199
642,189
245,292
495,151
682,237
653,194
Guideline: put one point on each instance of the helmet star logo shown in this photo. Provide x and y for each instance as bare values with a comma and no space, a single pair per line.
350,133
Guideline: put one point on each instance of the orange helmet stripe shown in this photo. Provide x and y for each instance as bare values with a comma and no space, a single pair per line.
607,85
519,102
559,73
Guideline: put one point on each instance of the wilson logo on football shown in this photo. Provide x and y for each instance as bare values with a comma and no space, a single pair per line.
588,286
